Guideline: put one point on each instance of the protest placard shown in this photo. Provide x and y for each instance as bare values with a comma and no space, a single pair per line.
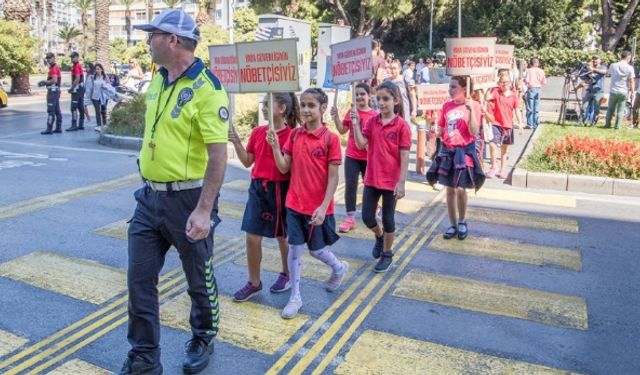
268,66
224,65
470,56
352,60
484,81
328,80
432,97
504,56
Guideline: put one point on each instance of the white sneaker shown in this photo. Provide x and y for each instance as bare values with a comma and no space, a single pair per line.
438,186
336,279
292,307
98,129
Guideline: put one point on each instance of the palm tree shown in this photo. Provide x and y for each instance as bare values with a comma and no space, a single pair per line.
206,11
127,19
68,33
172,3
102,32
20,11
149,10
84,6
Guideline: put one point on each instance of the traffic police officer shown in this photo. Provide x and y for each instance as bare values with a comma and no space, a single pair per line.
182,161
77,94
54,79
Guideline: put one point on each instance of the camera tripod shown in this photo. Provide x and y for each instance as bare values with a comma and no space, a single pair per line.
570,94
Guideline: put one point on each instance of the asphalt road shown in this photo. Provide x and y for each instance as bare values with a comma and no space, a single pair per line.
546,282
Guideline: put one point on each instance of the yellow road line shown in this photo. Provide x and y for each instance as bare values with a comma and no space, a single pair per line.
245,323
524,197
306,337
48,201
399,355
80,367
115,304
512,251
312,268
522,219
349,311
497,299
167,290
79,278
10,342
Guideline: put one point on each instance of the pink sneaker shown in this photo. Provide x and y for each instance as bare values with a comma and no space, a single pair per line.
492,172
348,224
502,174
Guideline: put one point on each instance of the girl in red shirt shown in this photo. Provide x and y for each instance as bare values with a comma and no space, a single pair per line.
265,214
388,138
457,165
313,155
355,160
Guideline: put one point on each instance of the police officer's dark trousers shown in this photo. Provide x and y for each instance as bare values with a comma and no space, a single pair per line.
54,114
159,221
77,108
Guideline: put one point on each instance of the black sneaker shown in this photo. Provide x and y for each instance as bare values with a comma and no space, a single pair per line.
140,365
384,263
377,247
197,356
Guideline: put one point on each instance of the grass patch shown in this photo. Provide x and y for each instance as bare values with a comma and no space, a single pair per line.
586,150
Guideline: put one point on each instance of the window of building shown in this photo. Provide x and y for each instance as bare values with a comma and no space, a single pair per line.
218,14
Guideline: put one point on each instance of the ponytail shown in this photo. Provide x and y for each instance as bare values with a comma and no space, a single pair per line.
292,108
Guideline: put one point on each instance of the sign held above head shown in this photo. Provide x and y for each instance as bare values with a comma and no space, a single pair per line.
352,60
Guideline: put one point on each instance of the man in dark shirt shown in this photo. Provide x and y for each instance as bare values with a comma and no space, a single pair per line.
594,91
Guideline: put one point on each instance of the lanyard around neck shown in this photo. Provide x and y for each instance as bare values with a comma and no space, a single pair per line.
166,103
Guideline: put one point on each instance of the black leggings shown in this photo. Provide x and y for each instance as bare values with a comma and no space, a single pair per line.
352,168
370,199
101,113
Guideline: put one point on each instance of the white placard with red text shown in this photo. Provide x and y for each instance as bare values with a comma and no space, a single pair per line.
432,97
268,66
504,56
470,56
484,81
351,60
224,65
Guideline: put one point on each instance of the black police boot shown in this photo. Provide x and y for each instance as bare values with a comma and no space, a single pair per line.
197,356
136,364
46,131
72,128
58,129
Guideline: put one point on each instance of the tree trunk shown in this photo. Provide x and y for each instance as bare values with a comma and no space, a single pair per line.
149,10
127,25
211,11
362,19
340,11
85,36
102,33
20,84
611,34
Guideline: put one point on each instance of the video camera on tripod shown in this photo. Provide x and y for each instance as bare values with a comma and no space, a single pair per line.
582,72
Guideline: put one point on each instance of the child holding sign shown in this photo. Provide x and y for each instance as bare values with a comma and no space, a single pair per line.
313,155
264,214
388,138
355,161
457,165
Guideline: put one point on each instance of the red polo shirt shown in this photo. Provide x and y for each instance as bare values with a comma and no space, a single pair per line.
264,165
454,124
76,71
385,143
311,154
503,107
54,71
352,149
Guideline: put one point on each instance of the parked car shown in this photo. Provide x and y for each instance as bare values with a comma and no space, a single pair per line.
4,99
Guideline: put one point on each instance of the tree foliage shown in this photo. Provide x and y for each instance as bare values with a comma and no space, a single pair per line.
17,48
210,34
245,23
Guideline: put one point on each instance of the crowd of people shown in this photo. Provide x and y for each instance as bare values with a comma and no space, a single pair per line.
90,85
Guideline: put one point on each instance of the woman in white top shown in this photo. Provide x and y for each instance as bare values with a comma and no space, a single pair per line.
98,91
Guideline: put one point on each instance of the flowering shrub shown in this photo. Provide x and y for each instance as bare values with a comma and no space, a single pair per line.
597,157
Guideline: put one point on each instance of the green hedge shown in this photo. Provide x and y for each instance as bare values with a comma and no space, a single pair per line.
128,118
556,61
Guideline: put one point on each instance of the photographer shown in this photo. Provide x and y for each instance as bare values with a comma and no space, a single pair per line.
594,78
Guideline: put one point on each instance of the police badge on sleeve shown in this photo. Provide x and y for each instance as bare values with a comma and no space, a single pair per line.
223,113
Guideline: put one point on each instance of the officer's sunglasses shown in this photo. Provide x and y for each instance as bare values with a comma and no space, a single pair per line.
150,36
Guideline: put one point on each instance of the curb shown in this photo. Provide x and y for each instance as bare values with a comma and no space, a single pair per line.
135,143
570,182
